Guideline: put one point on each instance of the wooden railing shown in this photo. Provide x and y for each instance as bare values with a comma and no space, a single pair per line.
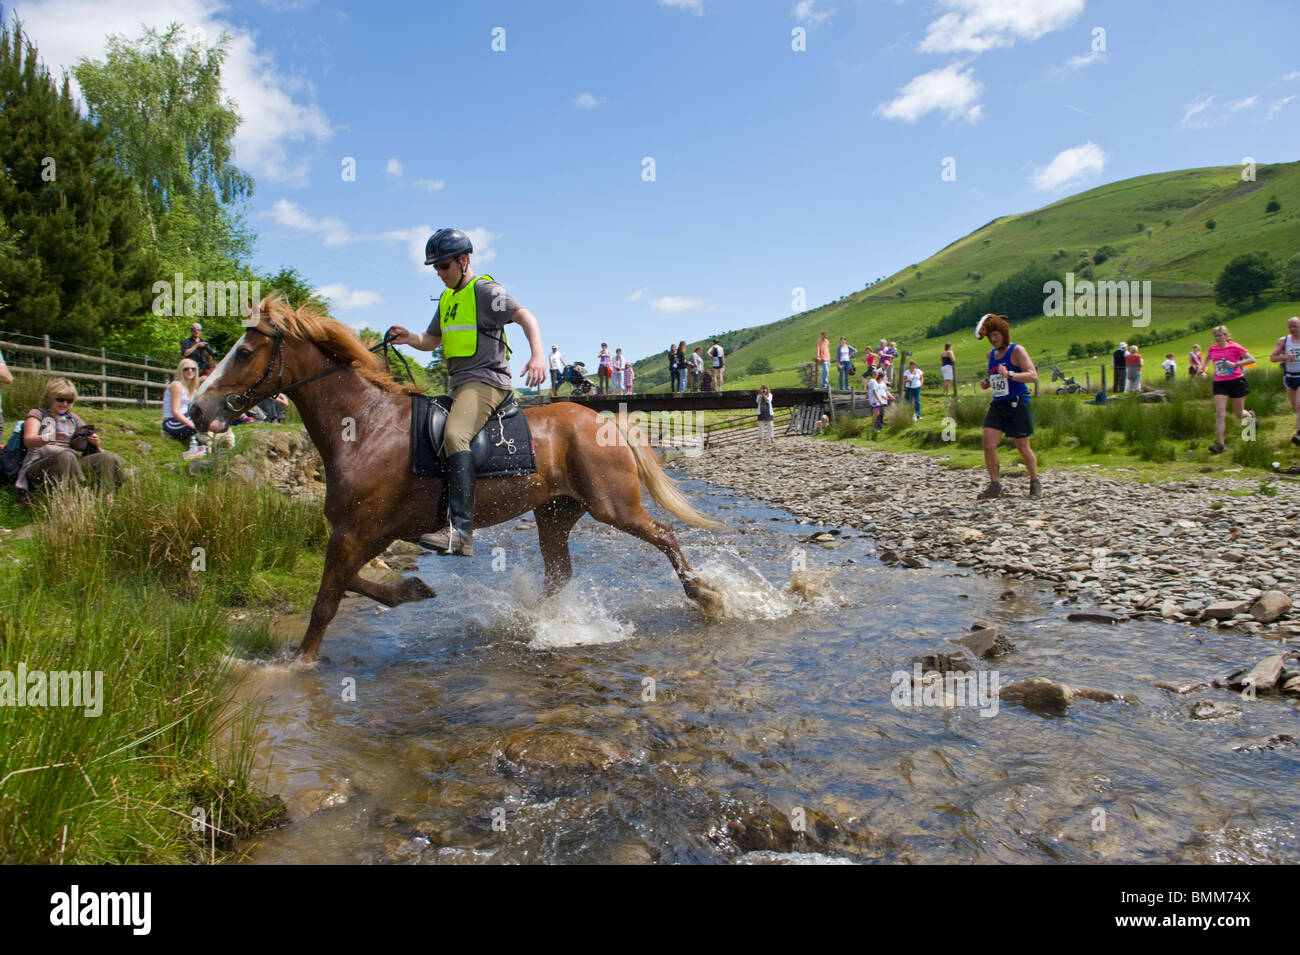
106,387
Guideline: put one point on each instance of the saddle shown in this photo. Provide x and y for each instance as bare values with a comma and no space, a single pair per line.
504,448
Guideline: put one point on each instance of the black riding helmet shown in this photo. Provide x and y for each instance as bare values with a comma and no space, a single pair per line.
445,243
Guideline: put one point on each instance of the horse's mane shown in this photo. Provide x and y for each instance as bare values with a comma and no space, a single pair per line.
335,338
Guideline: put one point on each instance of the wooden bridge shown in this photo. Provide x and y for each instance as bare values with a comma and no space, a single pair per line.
798,410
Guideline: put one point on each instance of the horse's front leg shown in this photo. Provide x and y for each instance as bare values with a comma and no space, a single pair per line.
344,555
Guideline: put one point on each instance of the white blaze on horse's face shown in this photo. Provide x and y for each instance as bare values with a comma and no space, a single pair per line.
220,369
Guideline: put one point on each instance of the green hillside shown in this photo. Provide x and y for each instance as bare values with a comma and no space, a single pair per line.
1155,225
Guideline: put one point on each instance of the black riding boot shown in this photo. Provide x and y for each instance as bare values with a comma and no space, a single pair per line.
457,537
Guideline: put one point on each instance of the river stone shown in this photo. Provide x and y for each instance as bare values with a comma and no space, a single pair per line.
1270,605
1180,687
1213,710
1083,616
1169,609
1038,694
912,560
562,750
1280,741
942,663
768,828
1264,674
1224,609
1292,686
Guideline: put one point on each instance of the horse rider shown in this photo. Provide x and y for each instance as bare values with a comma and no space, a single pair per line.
470,323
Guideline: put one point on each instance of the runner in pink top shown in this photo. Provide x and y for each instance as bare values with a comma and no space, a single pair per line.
1226,359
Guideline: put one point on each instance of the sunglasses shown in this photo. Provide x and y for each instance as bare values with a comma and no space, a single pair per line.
444,265
68,400
189,369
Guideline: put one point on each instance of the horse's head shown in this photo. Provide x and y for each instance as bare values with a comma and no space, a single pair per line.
252,370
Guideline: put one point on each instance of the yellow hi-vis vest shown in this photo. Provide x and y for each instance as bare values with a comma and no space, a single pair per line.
458,321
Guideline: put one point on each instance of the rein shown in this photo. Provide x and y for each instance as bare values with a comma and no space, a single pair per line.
240,403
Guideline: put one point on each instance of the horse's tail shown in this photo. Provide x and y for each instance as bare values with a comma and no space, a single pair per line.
660,485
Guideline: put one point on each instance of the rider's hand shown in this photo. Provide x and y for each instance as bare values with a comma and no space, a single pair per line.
534,372
399,335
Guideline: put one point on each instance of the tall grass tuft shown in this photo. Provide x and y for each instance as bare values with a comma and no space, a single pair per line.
847,426
969,410
1254,454
189,535
898,418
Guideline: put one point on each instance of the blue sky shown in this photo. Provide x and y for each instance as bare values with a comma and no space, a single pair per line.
775,169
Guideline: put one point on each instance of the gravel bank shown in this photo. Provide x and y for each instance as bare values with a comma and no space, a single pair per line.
1146,550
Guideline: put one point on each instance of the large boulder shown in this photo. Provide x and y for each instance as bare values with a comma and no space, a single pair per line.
1270,605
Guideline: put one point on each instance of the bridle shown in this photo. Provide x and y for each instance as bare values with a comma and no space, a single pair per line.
241,402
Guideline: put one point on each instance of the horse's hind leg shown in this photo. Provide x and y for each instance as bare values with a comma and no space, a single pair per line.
555,518
632,518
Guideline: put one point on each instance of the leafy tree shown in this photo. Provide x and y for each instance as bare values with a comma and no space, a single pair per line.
1273,205
295,288
1210,223
759,366
1245,277
160,101
1018,296
76,263
1291,277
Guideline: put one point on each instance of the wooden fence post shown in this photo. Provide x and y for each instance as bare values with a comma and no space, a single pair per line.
48,366
1103,377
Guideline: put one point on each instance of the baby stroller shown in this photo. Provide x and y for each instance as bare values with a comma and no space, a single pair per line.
1070,387
575,376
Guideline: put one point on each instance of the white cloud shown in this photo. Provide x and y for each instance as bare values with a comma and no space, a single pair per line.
671,304
636,296
1070,167
587,101
331,229
342,297
973,26
1246,103
1275,106
1291,76
950,89
277,108
690,6
414,238
484,251
803,12
1198,113
1076,63
429,185
393,169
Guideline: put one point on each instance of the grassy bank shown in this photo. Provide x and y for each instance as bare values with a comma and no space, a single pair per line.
137,586
1150,441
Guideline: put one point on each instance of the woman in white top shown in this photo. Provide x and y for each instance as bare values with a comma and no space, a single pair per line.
845,357
878,397
765,416
176,401
1287,351
912,380
617,376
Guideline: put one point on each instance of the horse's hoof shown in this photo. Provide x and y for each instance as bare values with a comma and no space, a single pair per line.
302,663
710,601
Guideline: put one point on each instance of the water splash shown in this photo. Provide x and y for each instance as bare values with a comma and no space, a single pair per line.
743,592
574,616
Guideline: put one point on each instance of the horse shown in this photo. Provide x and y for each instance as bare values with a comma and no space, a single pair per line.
359,418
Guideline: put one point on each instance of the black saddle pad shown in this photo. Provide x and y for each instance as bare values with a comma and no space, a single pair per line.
504,448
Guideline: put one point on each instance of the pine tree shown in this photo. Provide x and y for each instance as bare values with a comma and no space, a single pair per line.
79,266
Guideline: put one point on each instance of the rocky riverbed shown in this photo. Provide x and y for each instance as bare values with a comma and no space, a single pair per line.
1184,550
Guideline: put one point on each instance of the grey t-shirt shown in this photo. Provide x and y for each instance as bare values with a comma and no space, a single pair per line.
488,364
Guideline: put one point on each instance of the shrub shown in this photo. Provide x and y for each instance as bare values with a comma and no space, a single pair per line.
1246,276
969,410
847,426
898,418
1273,205
759,366
1209,223
1254,454
1142,227
1090,429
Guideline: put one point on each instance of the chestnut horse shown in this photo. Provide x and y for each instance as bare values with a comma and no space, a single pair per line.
359,419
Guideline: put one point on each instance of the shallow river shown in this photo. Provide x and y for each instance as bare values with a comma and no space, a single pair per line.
614,723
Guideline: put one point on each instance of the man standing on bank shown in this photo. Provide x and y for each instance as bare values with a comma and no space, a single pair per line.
1010,369
472,314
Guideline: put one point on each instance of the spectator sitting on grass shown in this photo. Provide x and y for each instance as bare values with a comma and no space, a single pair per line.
176,401
53,435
